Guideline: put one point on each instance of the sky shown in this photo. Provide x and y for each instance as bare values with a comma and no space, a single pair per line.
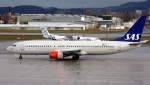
65,3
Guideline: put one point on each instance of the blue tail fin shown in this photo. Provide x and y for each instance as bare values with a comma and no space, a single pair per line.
135,32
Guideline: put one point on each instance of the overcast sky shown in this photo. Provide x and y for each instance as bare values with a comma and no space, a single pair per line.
65,3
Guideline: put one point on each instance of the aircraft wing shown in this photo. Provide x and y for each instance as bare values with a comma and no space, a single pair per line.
69,52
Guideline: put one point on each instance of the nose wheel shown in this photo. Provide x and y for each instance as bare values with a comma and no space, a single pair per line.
20,57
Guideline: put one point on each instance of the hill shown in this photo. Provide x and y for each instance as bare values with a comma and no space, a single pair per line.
28,9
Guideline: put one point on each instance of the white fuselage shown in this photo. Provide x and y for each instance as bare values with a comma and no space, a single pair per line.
43,47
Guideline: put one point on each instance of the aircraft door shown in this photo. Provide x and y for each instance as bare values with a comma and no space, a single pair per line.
21,48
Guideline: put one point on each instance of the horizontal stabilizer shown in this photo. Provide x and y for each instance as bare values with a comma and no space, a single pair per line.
138,43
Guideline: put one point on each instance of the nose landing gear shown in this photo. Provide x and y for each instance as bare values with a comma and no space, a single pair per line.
20,57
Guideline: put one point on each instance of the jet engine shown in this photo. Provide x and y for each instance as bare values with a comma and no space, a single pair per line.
55,55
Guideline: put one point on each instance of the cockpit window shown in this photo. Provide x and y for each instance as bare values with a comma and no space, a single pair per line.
14,45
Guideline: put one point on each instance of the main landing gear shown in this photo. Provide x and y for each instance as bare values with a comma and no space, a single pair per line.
75,57
20,57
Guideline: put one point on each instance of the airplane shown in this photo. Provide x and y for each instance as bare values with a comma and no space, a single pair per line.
47,35
62,49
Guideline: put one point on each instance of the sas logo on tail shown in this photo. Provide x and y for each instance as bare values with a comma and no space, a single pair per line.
132,37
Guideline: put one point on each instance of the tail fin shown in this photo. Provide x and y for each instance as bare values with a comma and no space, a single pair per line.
45,32
135,32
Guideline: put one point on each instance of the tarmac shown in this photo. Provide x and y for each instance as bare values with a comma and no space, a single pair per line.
127,68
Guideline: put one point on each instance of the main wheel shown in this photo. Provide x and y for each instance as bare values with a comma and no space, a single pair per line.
75,57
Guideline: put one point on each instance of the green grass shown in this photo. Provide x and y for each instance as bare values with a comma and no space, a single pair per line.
20,37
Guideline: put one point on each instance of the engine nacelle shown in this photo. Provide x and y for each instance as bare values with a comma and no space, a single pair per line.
55,55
